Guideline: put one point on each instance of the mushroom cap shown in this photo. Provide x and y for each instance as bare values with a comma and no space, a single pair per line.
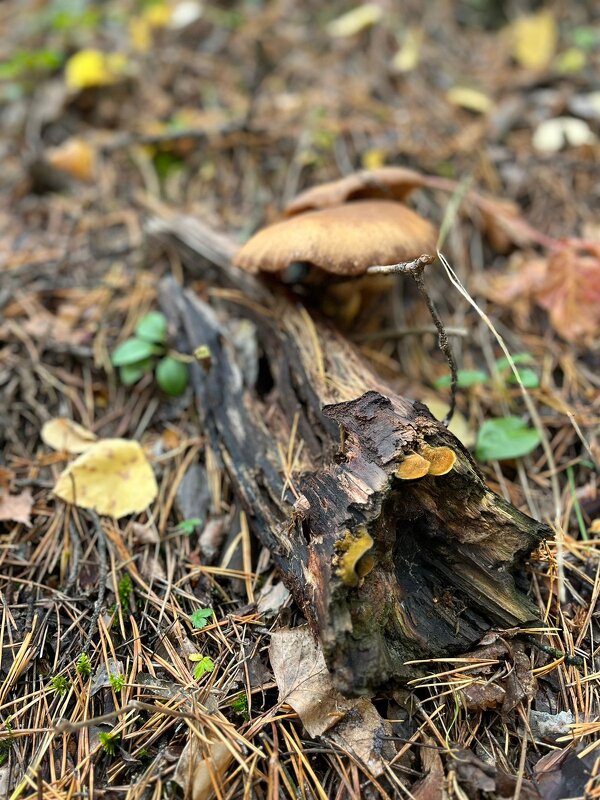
386,183
344,240
412,467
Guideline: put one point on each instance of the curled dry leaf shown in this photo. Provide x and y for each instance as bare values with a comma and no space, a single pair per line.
305,684
112,477
344,240
75,157
384,183
566,284
67,436
16,507
199,767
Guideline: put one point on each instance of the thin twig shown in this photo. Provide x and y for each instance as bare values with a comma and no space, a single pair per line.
415,269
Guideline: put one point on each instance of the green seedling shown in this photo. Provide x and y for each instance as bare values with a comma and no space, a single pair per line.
147,352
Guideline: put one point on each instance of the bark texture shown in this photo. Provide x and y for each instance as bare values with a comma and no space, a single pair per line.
387,571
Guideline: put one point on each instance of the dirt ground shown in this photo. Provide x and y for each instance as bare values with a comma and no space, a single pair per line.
139,653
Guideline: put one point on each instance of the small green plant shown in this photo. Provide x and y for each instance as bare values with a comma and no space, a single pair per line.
60,684
6,742
125,589
476,377
84,666
504,438
240,707
204,665
147,351
109,742
188,526
117,682
200,617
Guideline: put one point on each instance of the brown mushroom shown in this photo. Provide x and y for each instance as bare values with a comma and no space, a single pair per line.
386,183
344,240
441,459
412,467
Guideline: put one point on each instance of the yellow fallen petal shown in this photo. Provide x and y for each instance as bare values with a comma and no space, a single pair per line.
112,477
67,436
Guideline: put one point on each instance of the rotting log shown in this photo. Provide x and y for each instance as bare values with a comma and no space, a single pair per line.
386,570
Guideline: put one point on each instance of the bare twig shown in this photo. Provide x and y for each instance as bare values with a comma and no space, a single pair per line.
415,270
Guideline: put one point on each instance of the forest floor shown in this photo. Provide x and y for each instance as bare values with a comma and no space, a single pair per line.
135,652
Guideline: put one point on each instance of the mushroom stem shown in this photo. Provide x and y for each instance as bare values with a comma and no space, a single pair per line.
415,270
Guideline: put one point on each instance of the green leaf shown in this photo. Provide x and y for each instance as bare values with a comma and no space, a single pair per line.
466,378
518,358
131,373
505,437
132,351
203,666
200,617
188,526
529,378
172,376
152,328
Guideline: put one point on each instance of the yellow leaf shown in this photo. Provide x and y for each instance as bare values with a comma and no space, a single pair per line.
112,477
407,57
459,425
355,21
75,157
471,99
373,159
158,15
533,40
140,34
89,68
67,436
571,60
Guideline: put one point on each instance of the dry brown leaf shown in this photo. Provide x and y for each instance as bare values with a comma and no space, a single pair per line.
112,477
74,157
566,284
67,436
571,294
305,684
16,507
431,787
198,771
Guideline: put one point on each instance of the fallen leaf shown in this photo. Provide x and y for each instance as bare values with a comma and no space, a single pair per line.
305,684
112,477
90,68
458,425
566,284
75,157
200,766
431,787
6,478
355,21
407,57
16,507
67,436
533,39
471,99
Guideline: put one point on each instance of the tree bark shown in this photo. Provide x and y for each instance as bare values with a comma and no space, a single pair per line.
386,571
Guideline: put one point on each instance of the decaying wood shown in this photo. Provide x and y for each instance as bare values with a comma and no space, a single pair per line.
385,570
